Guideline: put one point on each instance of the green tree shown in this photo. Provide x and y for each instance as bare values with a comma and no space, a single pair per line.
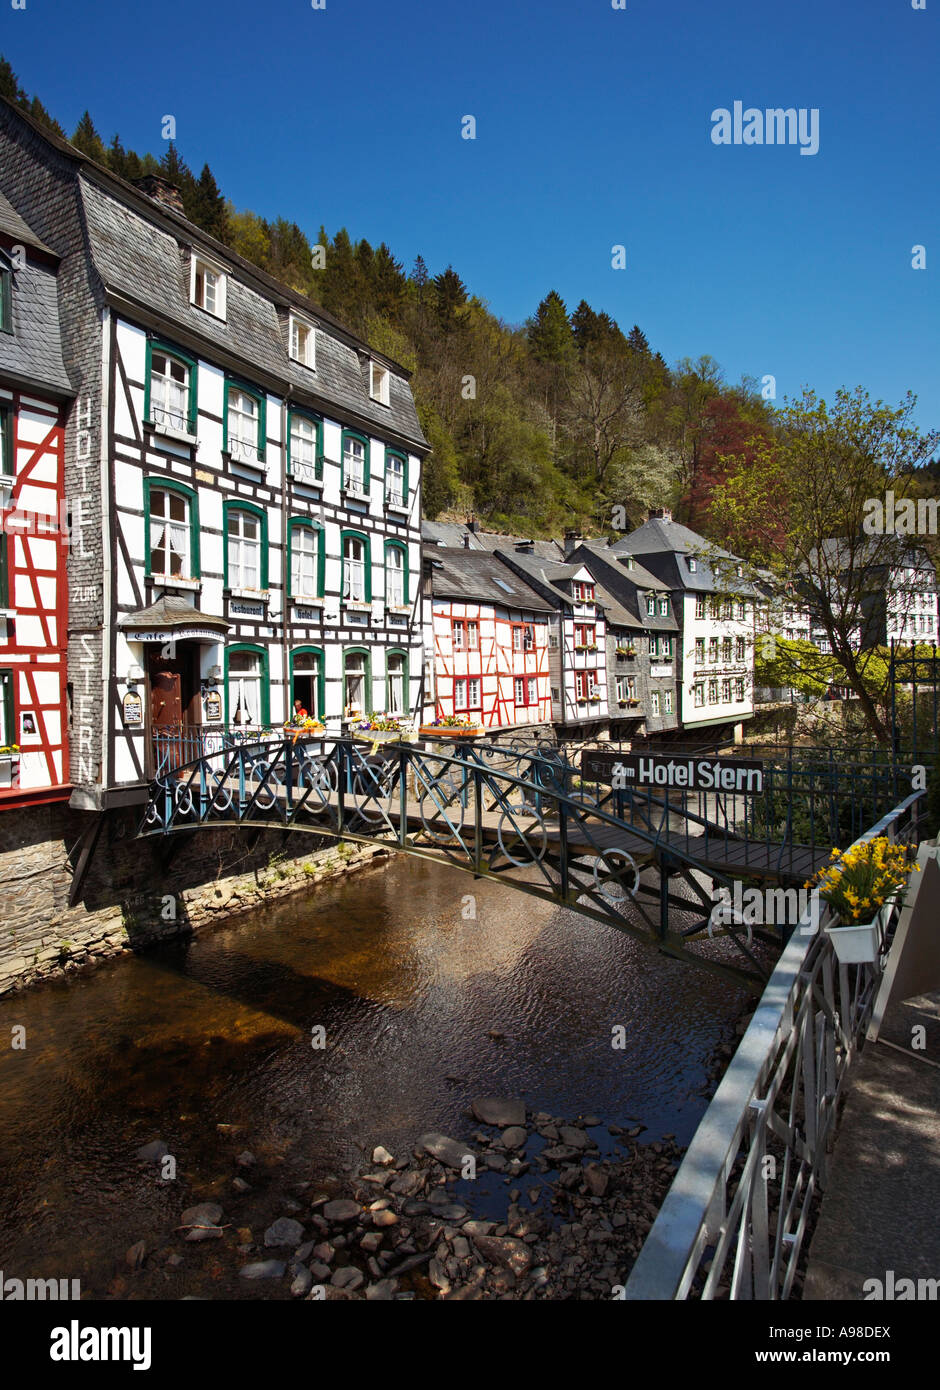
87,139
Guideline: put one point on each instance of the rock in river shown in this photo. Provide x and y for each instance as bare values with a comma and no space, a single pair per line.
284,1231
263,1269
342,1210
499,1110
452,1152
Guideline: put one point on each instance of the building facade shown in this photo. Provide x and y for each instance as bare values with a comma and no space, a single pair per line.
34,395
243,476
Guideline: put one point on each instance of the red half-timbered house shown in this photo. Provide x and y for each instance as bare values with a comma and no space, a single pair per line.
34,389
490,638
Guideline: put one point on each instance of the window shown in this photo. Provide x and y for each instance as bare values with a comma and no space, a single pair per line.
727,609
700,606
742,611
396,480
651,604
520,690
698,691
396,683
654,704
304,455
531,690
467,693
396,575
170,390
553,640
726,692
739,649
726,649
306,664
654,644
665,646
693,565
246,686
583,684
528,637
357,577
739,688
466,635
172,530
207,287
626,687
307,558
244,423
7,453
517,639
246,550
583,591
667,701
700,651
664,608
355,463
583,635
712,650
713,692
356,695
739,571
378,383
302,342
6,299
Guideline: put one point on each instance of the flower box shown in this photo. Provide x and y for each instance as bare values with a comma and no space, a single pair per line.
856,943
452,731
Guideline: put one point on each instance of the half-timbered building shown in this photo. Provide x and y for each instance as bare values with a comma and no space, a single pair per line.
244,475
490,641
34,390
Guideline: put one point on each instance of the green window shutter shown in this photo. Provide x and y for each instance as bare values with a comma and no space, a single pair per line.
366,559
265,680
192,404
260,397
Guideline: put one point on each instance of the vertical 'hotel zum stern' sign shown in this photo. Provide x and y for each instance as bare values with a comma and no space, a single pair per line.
243,476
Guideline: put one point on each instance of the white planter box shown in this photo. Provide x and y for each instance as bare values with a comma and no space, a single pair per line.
859,944
7,768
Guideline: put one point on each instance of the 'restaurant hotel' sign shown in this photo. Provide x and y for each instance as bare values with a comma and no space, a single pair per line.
745,775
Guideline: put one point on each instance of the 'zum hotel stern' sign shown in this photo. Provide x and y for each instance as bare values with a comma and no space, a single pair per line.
744,775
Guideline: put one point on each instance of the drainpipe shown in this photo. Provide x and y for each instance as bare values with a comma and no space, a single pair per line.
285,572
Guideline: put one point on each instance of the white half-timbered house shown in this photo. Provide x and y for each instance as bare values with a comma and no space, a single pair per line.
244,475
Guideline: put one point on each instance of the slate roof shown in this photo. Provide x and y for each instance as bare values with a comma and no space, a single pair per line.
446,533
627,585
13,225
141,252
32,354
172,610
146,259
667,546
544,550
458,533
477,576
549,574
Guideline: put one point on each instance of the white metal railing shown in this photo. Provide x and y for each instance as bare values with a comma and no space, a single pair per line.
733,1223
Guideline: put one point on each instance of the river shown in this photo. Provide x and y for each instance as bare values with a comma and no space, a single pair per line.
423,1007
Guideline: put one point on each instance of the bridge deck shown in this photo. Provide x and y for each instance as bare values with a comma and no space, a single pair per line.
714,851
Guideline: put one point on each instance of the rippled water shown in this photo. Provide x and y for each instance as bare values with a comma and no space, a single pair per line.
217,1031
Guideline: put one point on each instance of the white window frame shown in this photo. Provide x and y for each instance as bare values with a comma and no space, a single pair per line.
308,358
379,382
199,262
238,545
667,702
304,543
654,703
354,564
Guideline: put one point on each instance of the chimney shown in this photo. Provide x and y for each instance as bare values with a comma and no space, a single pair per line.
466,540
525,547
660,514
473,525
572,540
161,190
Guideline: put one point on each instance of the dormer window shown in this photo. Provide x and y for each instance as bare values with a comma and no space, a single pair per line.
207,287
378,383
302,342
583,593
693,566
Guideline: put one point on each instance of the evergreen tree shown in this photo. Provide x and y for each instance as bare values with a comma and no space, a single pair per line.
209,207
87,139
551,340
451,295
9,84
638,341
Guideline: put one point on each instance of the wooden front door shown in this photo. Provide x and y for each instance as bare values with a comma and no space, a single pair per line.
174,700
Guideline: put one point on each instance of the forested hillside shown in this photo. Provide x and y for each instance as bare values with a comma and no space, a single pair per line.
534,427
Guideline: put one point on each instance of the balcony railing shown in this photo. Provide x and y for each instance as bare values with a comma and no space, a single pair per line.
735,1219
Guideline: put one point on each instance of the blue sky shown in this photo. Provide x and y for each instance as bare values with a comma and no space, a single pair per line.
593,129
